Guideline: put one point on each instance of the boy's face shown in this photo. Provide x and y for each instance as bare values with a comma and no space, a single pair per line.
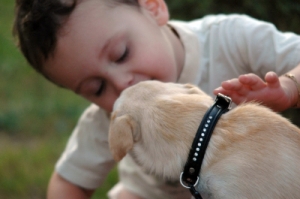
102,50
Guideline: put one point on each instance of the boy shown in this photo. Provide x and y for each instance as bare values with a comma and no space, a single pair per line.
97,48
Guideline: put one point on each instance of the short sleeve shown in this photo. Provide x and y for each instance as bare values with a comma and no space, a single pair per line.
86,159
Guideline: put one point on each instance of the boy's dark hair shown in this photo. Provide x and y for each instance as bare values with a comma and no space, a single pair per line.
37,23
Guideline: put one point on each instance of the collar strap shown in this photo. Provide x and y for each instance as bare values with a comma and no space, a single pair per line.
189,178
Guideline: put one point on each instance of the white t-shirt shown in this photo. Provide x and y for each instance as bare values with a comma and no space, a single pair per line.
217,48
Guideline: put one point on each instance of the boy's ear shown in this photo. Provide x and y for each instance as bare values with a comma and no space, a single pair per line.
122,135
158,9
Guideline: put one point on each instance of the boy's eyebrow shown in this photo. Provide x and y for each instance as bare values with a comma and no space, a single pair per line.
109,42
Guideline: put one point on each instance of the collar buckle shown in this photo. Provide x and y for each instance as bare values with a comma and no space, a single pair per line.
223,101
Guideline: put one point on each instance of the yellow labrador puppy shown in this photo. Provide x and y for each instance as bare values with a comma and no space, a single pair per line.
253,152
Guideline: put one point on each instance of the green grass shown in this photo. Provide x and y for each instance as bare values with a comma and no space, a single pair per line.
36,119
26,165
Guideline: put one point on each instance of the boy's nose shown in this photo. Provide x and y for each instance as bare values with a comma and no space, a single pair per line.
122,81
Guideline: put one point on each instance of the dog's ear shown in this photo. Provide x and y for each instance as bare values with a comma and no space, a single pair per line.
121,136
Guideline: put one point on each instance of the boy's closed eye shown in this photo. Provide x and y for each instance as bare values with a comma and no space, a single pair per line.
95,86
120,53
101,89
124,56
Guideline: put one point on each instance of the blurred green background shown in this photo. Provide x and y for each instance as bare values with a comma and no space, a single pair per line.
37,117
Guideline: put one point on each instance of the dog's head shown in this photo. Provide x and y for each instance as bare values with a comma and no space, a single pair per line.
156,122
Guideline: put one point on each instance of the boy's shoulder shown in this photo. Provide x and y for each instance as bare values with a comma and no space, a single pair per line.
212,20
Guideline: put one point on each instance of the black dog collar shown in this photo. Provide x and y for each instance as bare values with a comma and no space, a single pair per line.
189,178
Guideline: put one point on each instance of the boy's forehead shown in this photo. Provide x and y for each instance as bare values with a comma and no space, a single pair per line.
84,9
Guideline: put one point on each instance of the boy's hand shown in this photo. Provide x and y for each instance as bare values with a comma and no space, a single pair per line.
250,87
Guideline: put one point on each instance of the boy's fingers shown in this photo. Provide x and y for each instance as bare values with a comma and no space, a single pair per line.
232,84
272,80
252,81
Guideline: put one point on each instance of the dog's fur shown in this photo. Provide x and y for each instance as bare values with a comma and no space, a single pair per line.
253,152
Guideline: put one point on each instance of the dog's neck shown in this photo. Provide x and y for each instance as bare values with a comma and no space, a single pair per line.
189,178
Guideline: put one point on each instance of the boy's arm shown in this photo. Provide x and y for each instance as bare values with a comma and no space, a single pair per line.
59,188
278,93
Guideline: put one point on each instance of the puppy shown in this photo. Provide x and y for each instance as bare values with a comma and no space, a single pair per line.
253,152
